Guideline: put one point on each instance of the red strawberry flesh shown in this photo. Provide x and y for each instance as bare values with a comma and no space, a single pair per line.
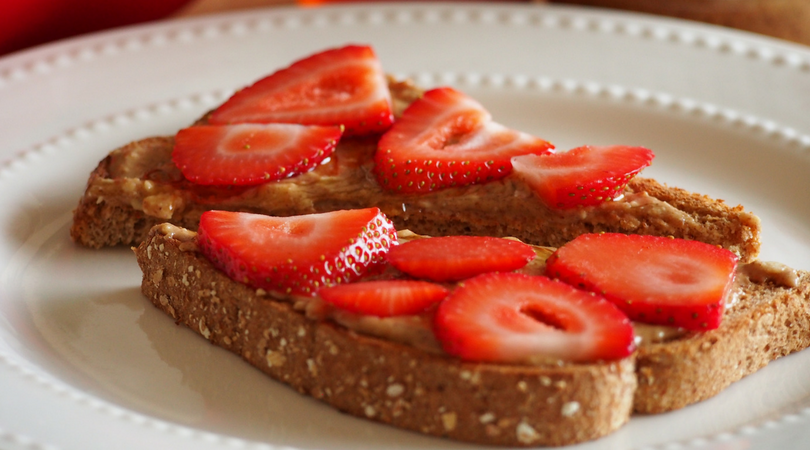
250,154
296,255
515,318
652,279
342,87
447,139
384,298
583,176
455,258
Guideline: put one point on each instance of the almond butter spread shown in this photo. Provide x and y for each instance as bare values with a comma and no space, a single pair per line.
656,334
768,271
187,238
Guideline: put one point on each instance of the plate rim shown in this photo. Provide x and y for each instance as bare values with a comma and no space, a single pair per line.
7,77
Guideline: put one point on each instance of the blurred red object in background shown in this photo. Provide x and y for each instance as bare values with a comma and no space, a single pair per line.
24,23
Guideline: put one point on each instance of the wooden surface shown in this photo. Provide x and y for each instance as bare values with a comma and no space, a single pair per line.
785,19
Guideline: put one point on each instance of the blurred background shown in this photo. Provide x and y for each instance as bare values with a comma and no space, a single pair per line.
27,23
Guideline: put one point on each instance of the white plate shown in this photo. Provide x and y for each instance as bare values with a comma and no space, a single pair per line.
86,363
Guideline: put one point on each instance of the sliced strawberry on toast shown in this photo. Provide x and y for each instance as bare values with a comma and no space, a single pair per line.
583,176
454,258
385,298
250,154
652,279
447,139
342,87
296,255
508,317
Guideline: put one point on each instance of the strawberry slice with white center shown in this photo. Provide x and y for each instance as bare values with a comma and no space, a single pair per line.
250,154
583,176
296,255
652,279
454,258
447,139
384,298
516,318
343,86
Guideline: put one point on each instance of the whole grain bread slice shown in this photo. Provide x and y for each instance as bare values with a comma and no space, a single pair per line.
380,380
137,186
483,403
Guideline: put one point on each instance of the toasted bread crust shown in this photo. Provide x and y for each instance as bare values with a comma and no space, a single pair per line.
97,223
385,381
769,322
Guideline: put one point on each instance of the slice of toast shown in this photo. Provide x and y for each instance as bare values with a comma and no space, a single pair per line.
381,380
483,403
137,186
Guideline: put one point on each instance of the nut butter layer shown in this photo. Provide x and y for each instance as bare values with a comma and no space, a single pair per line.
138,186
380,380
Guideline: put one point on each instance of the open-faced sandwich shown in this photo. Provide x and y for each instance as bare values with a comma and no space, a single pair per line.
269,226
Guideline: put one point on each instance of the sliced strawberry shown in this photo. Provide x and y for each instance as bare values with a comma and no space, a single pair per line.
455,258
447,139
509,317
250,154
384,298
343,86
583,176
652,279
296,255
